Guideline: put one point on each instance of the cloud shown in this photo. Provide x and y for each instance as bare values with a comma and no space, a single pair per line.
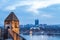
43,4
17,4
34,5
52,9
46,16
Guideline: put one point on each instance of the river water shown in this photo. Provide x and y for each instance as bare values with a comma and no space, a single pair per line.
41,37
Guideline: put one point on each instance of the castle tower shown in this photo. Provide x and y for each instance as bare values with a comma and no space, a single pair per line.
12,23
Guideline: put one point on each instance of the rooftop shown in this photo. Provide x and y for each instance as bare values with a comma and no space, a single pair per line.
11,17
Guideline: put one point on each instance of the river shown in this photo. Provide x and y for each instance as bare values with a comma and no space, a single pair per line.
41,37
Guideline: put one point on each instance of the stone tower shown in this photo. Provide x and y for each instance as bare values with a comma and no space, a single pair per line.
12,23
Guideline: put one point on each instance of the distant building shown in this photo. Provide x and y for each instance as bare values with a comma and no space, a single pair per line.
36,22
43,25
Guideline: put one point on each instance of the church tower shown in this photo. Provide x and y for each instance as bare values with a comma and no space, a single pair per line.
12,23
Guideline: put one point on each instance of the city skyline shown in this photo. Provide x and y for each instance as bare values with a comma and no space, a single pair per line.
46,11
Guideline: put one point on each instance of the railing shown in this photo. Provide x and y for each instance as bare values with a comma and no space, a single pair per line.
15,36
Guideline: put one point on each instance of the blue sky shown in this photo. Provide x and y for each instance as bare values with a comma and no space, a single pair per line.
47,11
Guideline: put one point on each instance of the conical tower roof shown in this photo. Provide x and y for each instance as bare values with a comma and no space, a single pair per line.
11,17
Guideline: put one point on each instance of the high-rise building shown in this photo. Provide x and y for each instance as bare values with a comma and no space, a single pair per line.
36,22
